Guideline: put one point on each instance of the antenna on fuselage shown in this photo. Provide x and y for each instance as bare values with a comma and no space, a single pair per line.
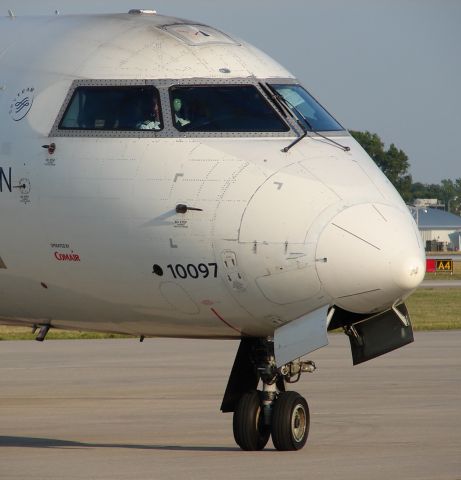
142,11
11,14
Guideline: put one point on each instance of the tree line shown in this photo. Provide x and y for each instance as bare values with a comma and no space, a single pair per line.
394,164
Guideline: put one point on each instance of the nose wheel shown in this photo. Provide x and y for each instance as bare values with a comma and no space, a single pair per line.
290,421
250,430
289,425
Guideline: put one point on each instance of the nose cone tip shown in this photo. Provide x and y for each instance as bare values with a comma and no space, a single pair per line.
408,272
373,257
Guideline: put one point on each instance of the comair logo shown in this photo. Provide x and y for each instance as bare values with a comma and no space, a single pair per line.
5,179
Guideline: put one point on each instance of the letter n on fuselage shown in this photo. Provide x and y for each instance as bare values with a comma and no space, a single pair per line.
5,179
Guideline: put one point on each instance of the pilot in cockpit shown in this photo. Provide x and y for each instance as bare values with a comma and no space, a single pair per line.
177,107
152,118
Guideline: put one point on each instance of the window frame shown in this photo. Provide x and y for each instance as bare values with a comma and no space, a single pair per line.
342,130
114,87
264,98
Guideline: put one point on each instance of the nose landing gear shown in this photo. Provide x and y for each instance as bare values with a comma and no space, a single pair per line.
272,411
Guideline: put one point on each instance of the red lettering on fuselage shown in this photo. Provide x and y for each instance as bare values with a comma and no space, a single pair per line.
67,257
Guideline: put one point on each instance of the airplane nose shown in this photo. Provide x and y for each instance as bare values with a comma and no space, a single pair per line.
369,256
409,272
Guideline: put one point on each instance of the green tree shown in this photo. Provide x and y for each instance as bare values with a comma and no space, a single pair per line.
451,195
456,204
425,190
393,161
447,192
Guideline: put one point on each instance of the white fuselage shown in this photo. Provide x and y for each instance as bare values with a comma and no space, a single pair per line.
90,238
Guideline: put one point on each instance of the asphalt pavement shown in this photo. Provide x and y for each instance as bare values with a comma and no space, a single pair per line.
120,409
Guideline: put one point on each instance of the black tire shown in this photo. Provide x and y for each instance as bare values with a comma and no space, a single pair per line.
250,433
290,421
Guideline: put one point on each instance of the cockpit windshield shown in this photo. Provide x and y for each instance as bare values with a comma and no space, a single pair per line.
307,109
223,108
113,108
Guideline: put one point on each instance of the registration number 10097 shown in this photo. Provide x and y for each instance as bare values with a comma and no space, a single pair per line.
201,270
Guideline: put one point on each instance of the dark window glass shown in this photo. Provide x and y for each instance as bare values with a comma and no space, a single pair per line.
223,108
307,109
113,108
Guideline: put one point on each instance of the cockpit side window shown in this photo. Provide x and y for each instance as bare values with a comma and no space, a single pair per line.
223,108
109,108
307,109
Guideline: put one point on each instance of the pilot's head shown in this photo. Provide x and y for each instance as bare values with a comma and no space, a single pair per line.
177,104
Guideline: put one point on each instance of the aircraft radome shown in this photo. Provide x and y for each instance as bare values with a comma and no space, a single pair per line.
160,178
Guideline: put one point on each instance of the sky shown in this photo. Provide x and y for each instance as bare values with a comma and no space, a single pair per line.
392,67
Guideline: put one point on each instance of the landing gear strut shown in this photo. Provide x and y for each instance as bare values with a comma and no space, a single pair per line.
272,411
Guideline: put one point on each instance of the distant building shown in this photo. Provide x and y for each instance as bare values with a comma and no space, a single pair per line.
439,230
428,202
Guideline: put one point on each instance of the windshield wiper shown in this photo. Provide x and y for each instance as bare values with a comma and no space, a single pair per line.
296,140
283,101
276,98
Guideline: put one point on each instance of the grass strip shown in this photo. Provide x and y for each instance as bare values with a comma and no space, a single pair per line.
430,309
435,309
25,333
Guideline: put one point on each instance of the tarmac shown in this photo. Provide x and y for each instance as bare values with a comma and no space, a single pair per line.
120,409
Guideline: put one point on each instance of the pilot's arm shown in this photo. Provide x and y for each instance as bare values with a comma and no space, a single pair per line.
149,125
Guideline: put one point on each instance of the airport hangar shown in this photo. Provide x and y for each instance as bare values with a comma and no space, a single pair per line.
439,230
